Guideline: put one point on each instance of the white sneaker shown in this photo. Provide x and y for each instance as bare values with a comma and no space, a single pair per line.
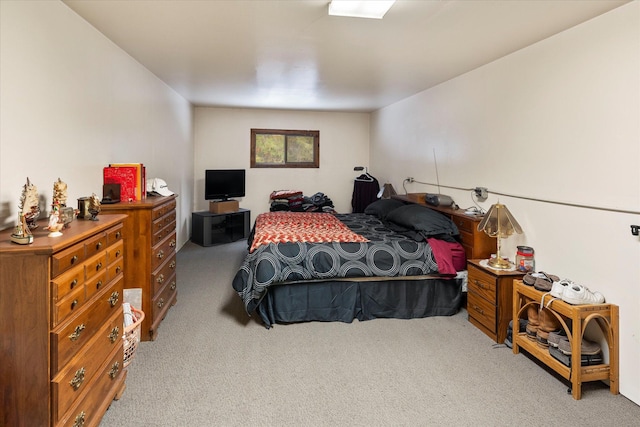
578,294
557,289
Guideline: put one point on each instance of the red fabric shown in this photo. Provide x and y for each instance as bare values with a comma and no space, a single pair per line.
284,194
283,227
450,257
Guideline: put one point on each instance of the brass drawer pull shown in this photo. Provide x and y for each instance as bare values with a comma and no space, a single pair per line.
113,299
118,269
172,244
74,303
98,266
172,265
160,278
160,254
99,284
114,370
479,284
478,309
98,245
79,421
77,380
74,259
118,235
117,253
73,283
115,333
173,286
77,331
161,303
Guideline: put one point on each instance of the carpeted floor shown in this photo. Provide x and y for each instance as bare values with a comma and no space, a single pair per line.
212,365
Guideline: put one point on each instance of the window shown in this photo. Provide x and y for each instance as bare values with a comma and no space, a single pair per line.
272,148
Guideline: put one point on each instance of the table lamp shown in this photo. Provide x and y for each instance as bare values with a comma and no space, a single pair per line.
499,223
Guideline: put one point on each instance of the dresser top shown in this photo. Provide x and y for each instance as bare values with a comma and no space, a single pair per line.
146,203
78,230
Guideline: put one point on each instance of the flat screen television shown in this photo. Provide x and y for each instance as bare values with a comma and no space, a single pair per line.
222,184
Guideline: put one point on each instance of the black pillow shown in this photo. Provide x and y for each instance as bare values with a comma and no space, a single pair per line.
381,208
422,219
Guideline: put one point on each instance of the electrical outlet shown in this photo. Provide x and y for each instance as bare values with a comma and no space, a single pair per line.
410,179
481,193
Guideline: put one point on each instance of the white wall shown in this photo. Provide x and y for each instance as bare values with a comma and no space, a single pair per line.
222,141
559,120
72,102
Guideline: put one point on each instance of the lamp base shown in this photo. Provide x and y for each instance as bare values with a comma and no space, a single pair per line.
499,264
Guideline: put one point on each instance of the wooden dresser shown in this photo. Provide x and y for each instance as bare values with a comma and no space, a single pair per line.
476,243
61,324
150,262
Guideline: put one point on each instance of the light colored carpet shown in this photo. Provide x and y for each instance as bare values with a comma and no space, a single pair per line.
212,365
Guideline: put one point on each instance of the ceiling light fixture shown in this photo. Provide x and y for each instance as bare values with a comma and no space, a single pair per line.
374,9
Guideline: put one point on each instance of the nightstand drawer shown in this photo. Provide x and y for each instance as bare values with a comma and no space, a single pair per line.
464,224
482,284
481,310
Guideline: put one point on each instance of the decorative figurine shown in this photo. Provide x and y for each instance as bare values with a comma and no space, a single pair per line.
94,206
22,234
60,193
29,205
55,224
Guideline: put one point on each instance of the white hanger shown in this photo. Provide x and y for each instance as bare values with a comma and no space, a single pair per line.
365,177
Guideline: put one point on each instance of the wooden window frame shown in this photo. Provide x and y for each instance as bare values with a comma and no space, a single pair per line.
316,148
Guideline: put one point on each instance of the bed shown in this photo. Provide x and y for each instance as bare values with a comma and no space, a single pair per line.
392,261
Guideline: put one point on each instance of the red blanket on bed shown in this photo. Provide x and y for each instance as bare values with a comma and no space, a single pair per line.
284,227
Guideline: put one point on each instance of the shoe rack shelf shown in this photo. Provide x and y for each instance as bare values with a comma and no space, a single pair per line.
605,315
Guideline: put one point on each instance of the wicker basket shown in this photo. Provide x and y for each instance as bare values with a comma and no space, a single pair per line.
131,337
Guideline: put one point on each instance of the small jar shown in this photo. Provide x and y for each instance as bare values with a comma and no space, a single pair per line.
525,261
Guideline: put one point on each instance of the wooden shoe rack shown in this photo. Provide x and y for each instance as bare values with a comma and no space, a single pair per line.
578,316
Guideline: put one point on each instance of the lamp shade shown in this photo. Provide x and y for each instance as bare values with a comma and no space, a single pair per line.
499,222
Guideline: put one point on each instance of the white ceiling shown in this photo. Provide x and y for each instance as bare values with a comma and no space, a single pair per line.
291,55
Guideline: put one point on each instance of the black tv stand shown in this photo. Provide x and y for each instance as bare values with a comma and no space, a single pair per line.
208,229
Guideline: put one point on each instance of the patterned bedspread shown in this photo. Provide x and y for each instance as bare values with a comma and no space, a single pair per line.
286,227
380,252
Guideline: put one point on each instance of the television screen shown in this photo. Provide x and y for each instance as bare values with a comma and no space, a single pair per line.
221,184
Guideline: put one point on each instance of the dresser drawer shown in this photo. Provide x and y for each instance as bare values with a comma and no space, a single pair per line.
96,244
163,210
96,284
66,283
86,411
481,310
72,381
163,232
163,222
161,276
95,265
482,284
68,305
114,234
162,251
73,334
466,225
115,268
162,301
67,259
115,252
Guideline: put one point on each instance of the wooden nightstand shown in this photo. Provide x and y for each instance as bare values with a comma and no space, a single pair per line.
490,299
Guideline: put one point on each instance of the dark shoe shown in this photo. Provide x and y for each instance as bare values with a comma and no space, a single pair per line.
544,281
586,347
555,337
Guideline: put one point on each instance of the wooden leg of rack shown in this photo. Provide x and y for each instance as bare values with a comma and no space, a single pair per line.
614,352
576,357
